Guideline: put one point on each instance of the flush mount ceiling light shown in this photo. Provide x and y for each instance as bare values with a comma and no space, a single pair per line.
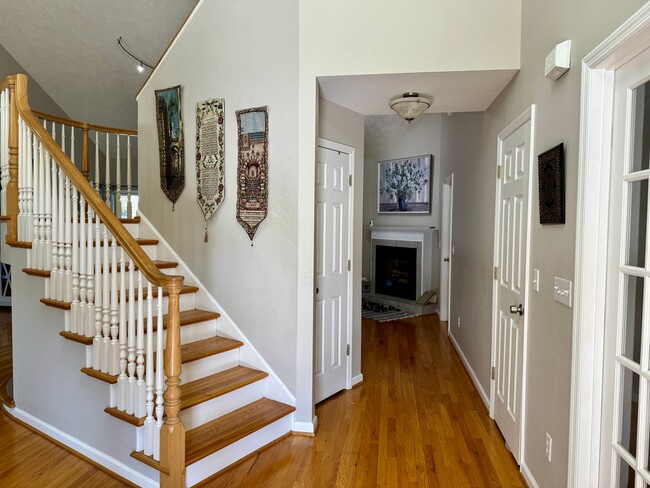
141,64
410,105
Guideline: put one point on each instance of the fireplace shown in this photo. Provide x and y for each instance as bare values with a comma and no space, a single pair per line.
396,271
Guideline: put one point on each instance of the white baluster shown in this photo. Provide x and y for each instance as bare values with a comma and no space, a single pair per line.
90,277
98,342
97,161
82,266
118,179
160,379
130,403
32,152
60,287
140,395
129,204
72,147
68,239
47,243
106,305
22,163
149,423
122,379
74,247
54,271
115,322
62,135
108,173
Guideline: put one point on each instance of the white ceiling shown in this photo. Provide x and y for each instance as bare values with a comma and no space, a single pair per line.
70,48
459,91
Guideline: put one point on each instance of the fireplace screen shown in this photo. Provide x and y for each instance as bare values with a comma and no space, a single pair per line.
395,271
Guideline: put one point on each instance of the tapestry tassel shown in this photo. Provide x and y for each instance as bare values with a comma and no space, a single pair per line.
205,239
173,206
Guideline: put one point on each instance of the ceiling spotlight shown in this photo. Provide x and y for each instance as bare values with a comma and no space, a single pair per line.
410,105
141,64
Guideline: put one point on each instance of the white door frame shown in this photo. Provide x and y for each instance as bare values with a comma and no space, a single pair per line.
527,115
447,227
350,151
595,154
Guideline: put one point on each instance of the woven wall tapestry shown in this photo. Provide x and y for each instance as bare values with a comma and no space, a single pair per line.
170,142
209,157
252,168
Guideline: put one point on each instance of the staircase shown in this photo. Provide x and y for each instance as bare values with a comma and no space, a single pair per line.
118,292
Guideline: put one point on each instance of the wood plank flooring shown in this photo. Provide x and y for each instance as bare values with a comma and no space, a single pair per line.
416,421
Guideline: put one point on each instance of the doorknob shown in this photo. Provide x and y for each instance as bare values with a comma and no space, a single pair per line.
517,309
446,260
317,290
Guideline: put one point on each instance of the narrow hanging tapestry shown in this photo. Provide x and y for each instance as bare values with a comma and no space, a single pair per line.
170,142
209,157
252,168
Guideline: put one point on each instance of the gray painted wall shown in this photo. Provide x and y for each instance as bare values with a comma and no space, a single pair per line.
472,150
391,137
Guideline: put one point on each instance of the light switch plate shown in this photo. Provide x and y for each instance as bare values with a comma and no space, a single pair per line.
536,279
562,291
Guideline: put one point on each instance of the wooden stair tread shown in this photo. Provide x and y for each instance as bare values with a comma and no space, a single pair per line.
20,244
213,386
219,433
105,377
130,220
66,305
126,417
42,273
5,218
46,273
188,317
142,241
194,351
87,341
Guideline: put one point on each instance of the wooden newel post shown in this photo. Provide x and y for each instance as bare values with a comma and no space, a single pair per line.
85,167
12,186
172,435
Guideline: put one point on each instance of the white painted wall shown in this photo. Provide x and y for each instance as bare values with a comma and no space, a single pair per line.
344,126
247,53
472,146
391,137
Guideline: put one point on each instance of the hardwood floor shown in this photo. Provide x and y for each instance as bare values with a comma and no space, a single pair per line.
416,421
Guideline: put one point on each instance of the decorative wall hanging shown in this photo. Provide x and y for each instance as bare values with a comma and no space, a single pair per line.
404,185
550,167
252,168
209,157
170,142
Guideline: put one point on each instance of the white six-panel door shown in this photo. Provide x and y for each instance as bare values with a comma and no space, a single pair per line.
332,273
512,195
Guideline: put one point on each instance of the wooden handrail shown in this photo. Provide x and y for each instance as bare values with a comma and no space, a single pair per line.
82,125
112,223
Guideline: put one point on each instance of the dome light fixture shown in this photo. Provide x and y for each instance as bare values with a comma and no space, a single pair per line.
410,105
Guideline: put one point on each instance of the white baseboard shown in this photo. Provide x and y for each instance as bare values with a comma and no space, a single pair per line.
357,379
477,383
82,448
306,427
528,476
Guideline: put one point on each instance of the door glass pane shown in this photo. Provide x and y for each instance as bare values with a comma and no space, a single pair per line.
637,219
641,154
629,407
631,346
625,475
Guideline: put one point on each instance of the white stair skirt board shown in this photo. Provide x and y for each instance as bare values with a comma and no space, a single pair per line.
357,379
307,428
223,458
226,327
477,384
528,476
86,450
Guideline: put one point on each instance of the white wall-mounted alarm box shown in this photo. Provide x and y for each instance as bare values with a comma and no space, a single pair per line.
558,61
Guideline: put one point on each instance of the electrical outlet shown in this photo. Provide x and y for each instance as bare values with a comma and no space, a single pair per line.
549,447
459,321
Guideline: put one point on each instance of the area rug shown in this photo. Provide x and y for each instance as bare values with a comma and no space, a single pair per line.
252,168
209,157
383,313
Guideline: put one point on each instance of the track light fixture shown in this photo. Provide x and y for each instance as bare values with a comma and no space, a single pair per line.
141,64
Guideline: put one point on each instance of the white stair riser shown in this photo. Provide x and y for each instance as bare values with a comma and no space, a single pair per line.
170,271
234,452
133,229
210,365
192,333
217,407
187,302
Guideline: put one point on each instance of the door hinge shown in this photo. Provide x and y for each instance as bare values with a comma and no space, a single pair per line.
349,265
347,350
494,373
499,171
349,180
496,272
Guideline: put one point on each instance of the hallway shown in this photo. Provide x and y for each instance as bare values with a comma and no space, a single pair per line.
416,421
